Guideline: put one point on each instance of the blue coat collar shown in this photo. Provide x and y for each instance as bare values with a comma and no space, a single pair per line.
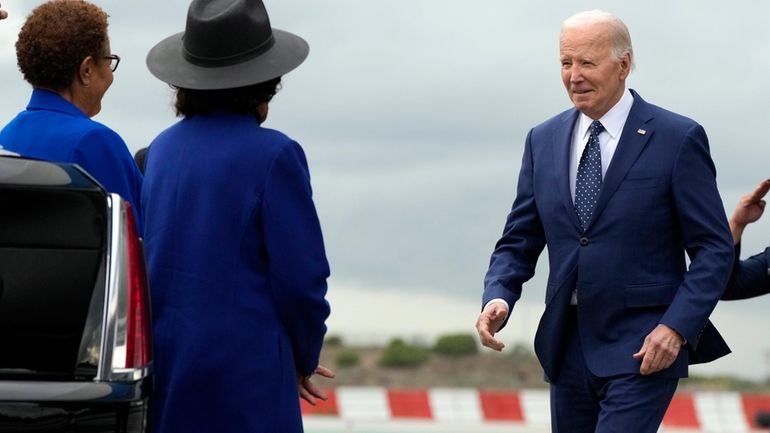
47,100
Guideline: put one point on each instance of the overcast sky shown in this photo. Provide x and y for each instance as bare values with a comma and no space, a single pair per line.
413,114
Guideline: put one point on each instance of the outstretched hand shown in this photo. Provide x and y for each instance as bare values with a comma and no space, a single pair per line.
749,209
308,391
489,323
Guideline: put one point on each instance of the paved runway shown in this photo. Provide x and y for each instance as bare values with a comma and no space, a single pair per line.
341,426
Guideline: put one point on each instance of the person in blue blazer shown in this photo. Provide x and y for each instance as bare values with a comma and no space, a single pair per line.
751,277
621,192
235,254
63,50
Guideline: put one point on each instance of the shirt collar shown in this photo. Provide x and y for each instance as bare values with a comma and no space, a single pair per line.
613,120
47,100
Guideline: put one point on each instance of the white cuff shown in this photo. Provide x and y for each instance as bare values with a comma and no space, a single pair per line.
500,300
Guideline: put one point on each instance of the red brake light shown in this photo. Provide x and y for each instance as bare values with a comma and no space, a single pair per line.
138,338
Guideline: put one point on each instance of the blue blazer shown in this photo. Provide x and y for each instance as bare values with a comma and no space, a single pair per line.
658,203
54,129
237,276
750,277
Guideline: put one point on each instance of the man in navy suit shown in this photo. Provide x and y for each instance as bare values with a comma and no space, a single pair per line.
619,204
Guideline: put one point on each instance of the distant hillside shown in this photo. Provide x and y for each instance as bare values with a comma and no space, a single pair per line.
487,370
426,367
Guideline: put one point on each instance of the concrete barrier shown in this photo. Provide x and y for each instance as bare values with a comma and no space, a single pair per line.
525,410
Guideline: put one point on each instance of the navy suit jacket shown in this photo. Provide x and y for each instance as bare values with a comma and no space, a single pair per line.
750,277
658,203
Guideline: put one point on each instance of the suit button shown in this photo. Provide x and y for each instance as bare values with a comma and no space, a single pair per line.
583,242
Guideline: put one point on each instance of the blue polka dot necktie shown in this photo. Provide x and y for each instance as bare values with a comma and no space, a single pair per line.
589,176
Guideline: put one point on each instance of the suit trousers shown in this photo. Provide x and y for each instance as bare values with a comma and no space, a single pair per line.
584,403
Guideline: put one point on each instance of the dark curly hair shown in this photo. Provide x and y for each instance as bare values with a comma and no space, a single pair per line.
55,39
240,100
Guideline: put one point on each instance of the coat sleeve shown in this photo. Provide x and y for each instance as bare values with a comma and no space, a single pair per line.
297,262
105,156
705,234
515,255
750,277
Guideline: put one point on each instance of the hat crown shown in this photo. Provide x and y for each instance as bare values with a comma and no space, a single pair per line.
226,44
226,32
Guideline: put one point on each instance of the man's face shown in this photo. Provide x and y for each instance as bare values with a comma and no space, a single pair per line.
593,77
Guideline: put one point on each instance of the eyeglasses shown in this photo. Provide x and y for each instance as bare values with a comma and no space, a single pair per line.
114,61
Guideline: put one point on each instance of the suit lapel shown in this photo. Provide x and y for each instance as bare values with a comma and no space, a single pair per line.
562,142
636,133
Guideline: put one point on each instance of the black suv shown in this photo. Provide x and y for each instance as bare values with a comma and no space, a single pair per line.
75,346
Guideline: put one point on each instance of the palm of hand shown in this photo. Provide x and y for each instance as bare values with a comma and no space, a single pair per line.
750,213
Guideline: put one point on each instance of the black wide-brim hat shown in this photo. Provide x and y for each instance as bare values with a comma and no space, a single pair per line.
226,44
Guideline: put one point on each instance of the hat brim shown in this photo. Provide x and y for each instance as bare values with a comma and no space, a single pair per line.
167,62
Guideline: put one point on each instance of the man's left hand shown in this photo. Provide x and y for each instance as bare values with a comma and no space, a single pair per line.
660,349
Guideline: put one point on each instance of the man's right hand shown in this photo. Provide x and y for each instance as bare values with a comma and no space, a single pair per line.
749,209
489,322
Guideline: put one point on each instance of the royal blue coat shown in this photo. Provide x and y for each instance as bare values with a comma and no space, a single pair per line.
54,129
237,276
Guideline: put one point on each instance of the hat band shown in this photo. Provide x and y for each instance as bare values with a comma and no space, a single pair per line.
230,60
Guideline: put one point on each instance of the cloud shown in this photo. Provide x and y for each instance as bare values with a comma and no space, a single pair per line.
413,114
366,316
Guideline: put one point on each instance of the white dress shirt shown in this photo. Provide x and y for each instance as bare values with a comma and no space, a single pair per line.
613,122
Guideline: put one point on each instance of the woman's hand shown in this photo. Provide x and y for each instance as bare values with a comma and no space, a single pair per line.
308,391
